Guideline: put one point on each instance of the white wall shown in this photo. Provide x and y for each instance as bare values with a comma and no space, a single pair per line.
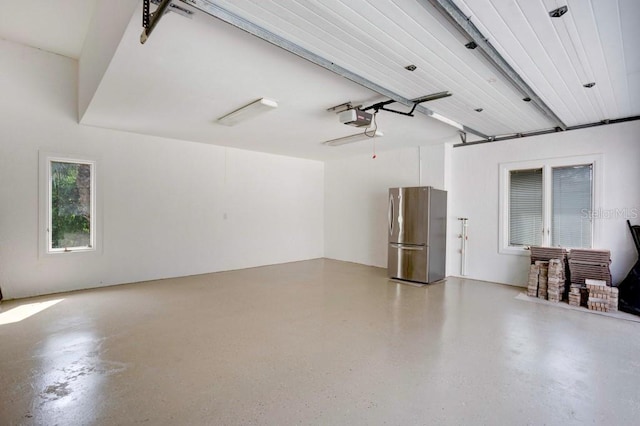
475,189
168,208
436,165
173,208
356,198
109,21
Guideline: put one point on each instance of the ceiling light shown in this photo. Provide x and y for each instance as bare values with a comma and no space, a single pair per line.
248,111
353,138
589,85
556,13
448,121
410,68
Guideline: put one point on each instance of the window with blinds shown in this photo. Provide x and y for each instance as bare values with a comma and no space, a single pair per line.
550,203
525,207
572,200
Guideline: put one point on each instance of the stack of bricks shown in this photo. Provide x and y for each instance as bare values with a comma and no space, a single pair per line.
601,297
542,278
577,296
579,293
532,287
555,280
548,273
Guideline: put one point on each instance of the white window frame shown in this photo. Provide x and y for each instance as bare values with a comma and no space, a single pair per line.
547,165
45,197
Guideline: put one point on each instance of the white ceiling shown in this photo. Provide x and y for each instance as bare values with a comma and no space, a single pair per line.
58,26
192,71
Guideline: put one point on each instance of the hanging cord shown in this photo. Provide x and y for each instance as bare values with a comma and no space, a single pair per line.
374,148
372,133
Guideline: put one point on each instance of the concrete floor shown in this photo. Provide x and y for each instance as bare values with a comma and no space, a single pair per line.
319,342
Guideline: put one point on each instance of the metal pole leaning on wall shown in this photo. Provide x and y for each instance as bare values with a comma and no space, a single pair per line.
463,250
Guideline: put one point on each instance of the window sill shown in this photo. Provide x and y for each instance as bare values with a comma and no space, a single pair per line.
70,251
517,251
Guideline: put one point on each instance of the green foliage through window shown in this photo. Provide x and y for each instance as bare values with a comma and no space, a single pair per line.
70,205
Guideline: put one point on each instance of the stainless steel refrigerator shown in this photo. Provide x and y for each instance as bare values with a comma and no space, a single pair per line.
417,234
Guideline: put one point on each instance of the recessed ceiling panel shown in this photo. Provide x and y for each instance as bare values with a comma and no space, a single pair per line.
191,72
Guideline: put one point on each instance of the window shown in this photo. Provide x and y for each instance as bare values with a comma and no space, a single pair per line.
547,203
70,220
525,207
572,196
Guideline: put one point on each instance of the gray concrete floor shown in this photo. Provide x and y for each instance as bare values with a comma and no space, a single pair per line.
318,342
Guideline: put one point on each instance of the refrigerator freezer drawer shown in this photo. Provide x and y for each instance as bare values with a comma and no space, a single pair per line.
408,262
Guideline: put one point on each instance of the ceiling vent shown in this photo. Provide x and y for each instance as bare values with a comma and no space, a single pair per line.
556,13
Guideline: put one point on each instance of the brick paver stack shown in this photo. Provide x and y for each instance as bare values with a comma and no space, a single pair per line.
547,274
601,297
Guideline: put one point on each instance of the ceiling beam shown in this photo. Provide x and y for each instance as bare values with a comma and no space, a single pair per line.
547,131
221,13
453,13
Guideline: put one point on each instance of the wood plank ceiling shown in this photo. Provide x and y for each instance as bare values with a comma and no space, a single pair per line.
592,42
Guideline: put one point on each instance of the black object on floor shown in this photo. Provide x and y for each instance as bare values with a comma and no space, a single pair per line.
629,289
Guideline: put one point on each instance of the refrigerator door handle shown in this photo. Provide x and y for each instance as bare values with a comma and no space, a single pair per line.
390,214
402,247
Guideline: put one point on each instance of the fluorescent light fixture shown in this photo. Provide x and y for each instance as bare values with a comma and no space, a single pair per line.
353,138
248,111
449,121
